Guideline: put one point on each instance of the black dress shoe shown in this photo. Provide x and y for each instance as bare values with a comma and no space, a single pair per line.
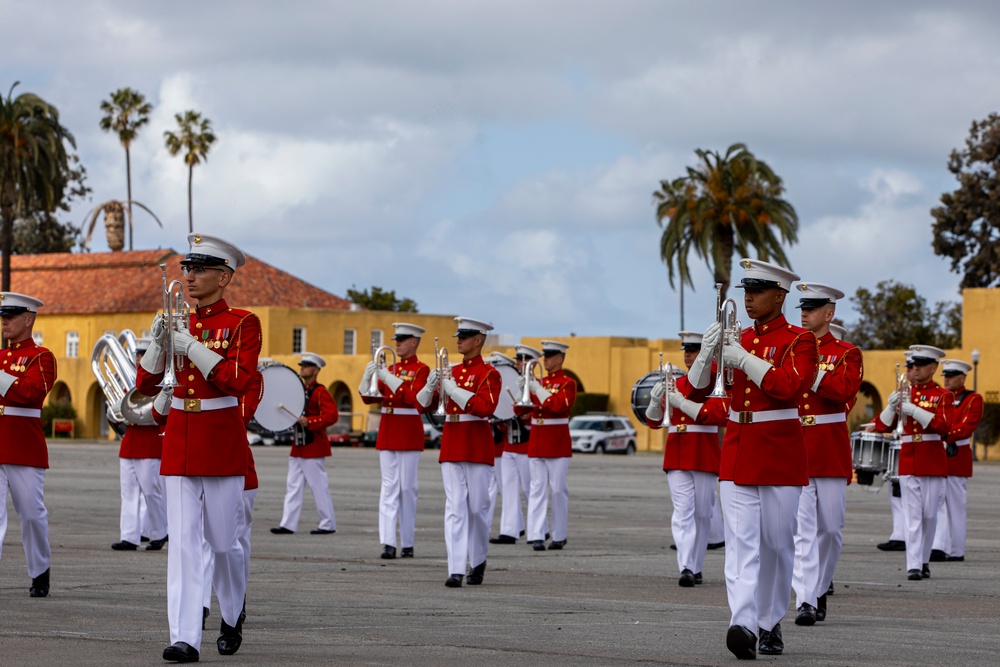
771,642
741,642
821,607
388,552
454,581
687,579
955,559
156,545
281,530
538,545
39,586
807,614
556,545
124,546
204,616
321,531
938,556
243,612
476,576
143,538
829,591
522,534
673,547
503,539
230,638
892,545
180,652
913,575
697,578
407,552
715,545
926,571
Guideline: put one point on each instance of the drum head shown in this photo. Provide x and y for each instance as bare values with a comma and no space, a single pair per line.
640,394
284,398
509,375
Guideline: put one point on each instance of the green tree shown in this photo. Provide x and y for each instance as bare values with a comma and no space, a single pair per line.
125,113
378,299
34,164
726,204
967,224
895,317
41,232
195,138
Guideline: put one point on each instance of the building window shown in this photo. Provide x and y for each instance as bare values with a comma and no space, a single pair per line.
72,344
376,338
298,340
37,337
350,341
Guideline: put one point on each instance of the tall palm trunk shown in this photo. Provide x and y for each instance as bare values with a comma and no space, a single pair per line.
128,178
7,200
190,209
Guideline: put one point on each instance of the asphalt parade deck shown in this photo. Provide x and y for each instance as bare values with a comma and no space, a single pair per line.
609,598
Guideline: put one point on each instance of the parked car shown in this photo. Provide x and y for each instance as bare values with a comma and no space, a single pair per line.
432,434
602,433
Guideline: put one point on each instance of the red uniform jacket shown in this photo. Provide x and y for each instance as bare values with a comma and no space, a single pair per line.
398,432
828,445
248,406
968,412
321,412
551,441
687,449
925,458
770,453
141,442
22,441
471,441
211,443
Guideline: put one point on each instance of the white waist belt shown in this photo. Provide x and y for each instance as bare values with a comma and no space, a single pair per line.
692,428
963,443
542,421
400,411
920,437
815,420
763,416
462,418
10,411
203,404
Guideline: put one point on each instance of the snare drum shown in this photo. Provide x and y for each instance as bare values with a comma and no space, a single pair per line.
284,398
870,450
892,472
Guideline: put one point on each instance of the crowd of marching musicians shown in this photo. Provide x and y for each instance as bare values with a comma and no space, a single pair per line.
781,391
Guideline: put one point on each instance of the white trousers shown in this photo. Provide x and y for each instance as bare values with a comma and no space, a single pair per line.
27,492
692,493
819,537
950,534
398,499
208,556
546,475
199,509
312,472
898,528
495,484
760,549
922,498
716,532
516,479
140,478
466,513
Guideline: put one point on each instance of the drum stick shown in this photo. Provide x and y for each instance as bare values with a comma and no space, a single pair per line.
511,395
281,406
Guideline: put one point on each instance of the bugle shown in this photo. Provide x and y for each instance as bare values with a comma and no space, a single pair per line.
903,389
528,374
442,366
177,317
379,357
669,385
729,335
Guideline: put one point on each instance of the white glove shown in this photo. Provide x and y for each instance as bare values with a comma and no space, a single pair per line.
888,414
6,380
157,327
539,391
154,361
520,383
819,378
711,337
688,407
922,417
162,401
675,398
735,355
366,379
701,370
203,358
456,393
894,399
426,395
183,342
433,378
388,379
653,411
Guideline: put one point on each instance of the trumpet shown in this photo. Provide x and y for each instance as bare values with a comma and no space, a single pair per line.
731,329
441,365
379,357
177,316
528,374
903,389
670,385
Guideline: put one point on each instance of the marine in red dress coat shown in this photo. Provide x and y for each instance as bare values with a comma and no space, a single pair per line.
320,412
693,449
471,440
400,427
548,440
32,372
967,414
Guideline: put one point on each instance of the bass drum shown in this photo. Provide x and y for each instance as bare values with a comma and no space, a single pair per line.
508,390
640,394
283,400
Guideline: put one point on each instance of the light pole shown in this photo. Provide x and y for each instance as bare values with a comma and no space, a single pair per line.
975,387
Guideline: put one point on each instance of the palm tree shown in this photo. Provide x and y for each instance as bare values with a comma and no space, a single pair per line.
726,204
125,113
115,213
34,165
195,139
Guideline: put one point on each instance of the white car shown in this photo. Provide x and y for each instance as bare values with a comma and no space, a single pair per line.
602,433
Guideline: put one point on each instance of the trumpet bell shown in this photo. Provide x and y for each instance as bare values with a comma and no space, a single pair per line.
137,409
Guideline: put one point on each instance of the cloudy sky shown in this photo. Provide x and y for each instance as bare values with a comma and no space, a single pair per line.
497,160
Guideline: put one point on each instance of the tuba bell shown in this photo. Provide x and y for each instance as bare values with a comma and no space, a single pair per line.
115,371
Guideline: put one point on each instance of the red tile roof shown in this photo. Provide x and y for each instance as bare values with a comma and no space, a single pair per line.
126,282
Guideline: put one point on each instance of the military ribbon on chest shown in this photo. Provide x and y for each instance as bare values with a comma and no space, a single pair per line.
469,381
20,365
767,354
925,401
215,338
827,362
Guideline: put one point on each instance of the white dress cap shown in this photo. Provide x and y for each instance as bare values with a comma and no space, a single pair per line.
12,303
925,354
312,358
210,251
499,357
762,275
815,295
955,366
527,351
690,339
468,326
838,331
405,329
554,347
